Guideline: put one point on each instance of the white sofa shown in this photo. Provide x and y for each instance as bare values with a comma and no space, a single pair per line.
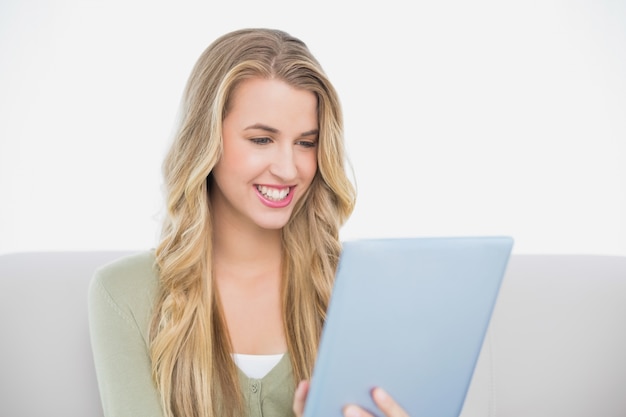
556,345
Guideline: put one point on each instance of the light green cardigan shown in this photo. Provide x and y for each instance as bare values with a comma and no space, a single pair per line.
121,298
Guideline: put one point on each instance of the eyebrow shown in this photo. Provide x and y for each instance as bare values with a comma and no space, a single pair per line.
270,129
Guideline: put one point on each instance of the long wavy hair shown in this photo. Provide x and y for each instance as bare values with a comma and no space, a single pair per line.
189,343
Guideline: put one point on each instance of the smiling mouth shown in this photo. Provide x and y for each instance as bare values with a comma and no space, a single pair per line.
274,194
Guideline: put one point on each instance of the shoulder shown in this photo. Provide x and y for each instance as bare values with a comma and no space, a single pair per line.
130,274
129,284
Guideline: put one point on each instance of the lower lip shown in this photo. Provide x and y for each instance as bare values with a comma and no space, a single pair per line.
276,204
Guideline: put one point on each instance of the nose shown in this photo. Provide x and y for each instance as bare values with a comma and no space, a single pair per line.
284,164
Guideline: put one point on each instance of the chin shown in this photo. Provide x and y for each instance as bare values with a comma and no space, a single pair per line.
273,224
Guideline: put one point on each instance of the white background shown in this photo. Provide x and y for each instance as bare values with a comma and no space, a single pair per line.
462,118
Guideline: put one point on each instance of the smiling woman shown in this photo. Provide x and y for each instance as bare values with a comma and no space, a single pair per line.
225,317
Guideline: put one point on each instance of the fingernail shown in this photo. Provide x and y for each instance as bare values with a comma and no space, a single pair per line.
381,396
352,411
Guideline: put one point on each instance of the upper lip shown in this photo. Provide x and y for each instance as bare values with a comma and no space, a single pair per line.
278,187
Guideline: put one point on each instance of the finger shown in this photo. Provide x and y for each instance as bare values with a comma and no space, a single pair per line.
299,398
355,411
387,404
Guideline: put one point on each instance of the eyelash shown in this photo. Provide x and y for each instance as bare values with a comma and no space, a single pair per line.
265,141
308,143
261,141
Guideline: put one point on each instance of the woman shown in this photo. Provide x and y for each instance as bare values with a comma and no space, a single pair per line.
224,317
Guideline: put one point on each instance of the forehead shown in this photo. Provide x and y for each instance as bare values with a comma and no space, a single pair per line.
273,102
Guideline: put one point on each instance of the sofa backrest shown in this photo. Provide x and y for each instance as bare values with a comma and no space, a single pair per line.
555,345
46,366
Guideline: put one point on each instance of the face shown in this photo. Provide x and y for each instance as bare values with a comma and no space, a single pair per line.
269,154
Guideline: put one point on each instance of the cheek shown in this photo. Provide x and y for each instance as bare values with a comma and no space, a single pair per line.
238,159
309,166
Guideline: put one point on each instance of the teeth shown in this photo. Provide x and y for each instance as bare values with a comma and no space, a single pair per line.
273,193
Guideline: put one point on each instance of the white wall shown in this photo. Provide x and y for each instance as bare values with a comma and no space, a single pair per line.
462,118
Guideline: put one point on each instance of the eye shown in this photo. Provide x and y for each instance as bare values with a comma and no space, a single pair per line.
307,143
261,141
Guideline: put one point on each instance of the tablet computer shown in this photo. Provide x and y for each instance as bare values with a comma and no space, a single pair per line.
408,315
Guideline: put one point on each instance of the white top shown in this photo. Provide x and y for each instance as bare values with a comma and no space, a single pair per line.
256,366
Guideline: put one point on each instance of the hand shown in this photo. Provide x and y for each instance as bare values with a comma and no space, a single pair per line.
387,405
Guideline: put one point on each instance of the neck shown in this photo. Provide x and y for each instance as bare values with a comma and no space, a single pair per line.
245,252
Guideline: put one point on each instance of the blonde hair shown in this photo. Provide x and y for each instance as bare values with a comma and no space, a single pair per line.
189,341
